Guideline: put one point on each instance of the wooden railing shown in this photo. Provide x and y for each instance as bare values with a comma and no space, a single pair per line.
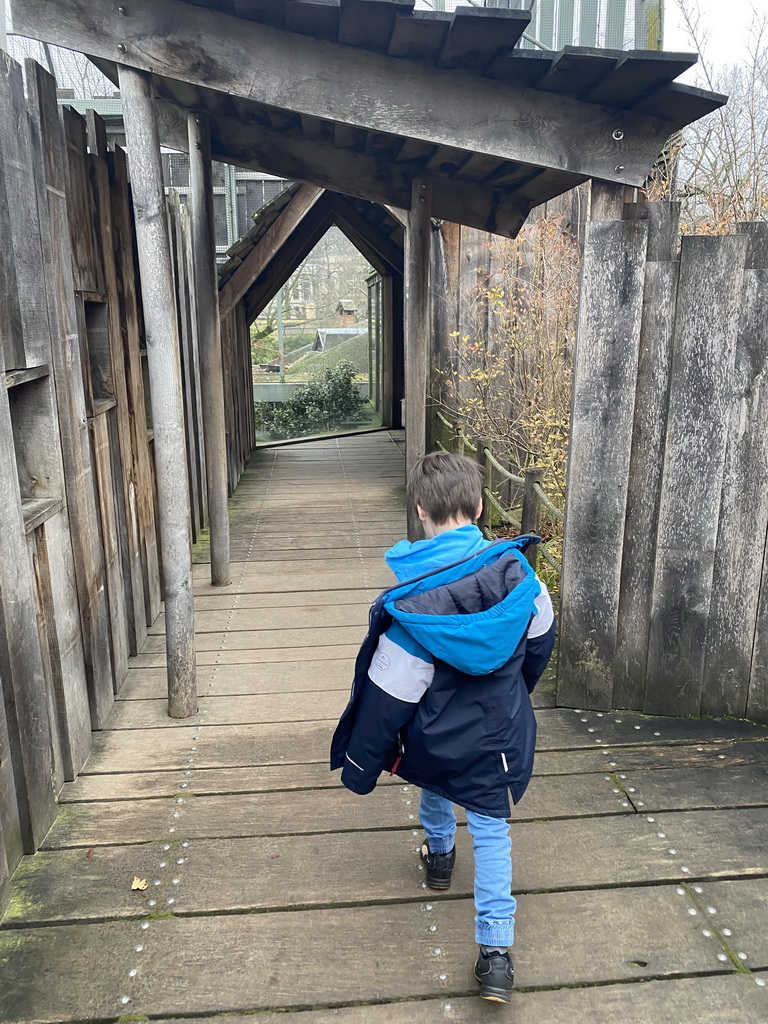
535,500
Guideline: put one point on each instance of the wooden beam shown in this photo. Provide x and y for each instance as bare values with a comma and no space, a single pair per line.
165,387
606,200
417,333
346,84
296,247
209,341
264,250
375,239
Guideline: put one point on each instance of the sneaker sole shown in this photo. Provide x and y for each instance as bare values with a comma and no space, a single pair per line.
493,995
438,884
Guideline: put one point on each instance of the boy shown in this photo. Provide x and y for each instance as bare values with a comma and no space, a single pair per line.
441,692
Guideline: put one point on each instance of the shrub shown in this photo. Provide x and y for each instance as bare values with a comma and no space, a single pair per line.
328,402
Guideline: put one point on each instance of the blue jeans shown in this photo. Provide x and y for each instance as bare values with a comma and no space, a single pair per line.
494,904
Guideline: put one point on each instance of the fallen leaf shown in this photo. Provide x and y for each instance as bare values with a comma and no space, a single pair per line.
89,852
139,883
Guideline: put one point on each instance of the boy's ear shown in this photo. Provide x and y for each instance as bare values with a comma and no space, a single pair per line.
421,513
479,509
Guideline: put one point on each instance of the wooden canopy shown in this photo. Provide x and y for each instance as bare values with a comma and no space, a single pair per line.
287,230
363,96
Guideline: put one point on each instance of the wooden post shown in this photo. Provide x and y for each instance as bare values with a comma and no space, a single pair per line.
606,200
209,340
165,387
529,516
387,349
486,516
416,332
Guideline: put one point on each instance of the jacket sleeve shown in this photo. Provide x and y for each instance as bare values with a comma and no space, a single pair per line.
538,650
399,674
540,641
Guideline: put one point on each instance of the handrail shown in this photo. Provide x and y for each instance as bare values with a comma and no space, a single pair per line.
533,499
501,510
504,472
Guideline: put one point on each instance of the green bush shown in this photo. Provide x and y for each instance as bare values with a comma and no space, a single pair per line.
328,402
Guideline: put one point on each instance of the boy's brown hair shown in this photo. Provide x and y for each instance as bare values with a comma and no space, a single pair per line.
446,486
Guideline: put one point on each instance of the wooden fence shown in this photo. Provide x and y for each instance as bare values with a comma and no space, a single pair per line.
665,567
79,569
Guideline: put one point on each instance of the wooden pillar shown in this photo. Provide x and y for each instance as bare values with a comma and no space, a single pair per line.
387,349
209,335
417,241
606,200
165,386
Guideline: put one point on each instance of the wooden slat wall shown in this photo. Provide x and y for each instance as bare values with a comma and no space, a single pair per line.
79,572
690,636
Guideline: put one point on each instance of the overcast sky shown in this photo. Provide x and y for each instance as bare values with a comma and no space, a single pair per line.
726,23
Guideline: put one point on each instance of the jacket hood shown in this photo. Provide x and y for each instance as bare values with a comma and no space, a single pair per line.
408,560
473,614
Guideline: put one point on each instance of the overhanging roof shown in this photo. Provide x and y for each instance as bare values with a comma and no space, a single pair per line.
361,96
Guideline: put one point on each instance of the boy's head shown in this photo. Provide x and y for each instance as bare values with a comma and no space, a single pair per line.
446,489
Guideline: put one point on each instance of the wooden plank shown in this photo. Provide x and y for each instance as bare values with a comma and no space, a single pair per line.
87,269
270,873
206,659
11,844
21,662
319,18
744,503
687,1001
605,364
235,620
141,502
124,457
270,778
106,823
574,71
286,676
420,35
477,33
701,788
474,114
646,462
369,23
56,573
639,74
406,967
29,343
706,326
79,476
11,328
272,707
741,902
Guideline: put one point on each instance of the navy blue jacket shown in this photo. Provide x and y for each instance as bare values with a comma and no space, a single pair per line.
471,736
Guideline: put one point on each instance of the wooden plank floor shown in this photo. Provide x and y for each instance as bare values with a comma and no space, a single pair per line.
640,850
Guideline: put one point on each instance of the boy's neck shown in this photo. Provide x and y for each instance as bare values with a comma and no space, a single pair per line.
432,529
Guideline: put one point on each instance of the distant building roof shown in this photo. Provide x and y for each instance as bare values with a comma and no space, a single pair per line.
328,337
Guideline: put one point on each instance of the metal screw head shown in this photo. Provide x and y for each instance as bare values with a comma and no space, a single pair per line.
122,10
618,134
121,47
619,168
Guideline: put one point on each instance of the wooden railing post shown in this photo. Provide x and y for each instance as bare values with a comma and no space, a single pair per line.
487,468
209,335
529,517
164,366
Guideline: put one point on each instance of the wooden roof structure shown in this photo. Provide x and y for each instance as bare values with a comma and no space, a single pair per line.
286,231
363,96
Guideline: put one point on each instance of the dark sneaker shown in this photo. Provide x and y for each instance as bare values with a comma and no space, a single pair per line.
496,975
439,867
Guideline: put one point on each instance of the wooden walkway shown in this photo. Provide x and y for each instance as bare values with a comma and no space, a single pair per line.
640,850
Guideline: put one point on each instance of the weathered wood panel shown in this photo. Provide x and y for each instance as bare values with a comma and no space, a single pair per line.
27,316
142,498
66,361
744,504
82,227
605,372
706,325
113,568
124,456
647,458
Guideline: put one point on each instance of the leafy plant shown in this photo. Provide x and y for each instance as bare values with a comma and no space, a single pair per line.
328,402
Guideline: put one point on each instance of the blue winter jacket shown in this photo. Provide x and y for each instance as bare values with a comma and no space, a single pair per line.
442,681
